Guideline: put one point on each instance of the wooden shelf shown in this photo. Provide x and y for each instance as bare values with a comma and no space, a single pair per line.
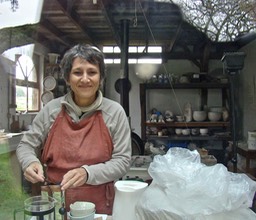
218,126
249,155
189,137
189,124
61,86
205,85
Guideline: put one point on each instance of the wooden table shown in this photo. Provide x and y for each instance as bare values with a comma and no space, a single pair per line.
248,154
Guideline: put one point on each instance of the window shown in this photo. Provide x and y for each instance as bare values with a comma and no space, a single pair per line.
27,83
134,49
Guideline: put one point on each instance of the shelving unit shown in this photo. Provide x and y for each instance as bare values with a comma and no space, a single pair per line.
54,70
220,129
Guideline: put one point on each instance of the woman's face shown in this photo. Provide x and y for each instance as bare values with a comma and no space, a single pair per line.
84,81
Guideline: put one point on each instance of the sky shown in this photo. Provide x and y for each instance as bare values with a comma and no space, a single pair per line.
29,12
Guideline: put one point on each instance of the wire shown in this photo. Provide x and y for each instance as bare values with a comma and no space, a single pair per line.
165,70
135,20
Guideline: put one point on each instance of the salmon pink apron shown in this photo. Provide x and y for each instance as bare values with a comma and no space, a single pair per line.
70,145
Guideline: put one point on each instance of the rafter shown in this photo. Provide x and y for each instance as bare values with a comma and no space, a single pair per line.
106,11
67,8
46,24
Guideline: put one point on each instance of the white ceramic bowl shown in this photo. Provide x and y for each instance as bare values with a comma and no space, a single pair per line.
87,217
203,131
178,131
185,131
81,208
195,131
184,79
179,118
214,116
216,109
199,115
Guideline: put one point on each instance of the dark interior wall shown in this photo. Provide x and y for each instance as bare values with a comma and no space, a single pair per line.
247,83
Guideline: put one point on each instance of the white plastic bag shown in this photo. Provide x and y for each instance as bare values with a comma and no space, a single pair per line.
184,188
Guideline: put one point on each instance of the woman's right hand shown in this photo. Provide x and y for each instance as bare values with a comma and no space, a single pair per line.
34,172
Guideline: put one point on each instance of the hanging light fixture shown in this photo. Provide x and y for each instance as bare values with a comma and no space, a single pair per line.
14,4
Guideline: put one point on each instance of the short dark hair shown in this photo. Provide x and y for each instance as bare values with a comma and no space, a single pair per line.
90,53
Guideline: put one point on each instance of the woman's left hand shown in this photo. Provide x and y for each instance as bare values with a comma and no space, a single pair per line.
74,178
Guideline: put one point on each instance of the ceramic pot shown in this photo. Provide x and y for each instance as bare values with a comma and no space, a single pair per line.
199,115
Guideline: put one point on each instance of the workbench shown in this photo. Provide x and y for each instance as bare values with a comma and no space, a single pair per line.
248,155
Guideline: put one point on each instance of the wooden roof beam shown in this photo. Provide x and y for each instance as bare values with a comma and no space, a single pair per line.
74,17
56,32
106,11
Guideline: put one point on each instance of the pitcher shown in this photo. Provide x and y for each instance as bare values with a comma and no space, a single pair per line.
127,193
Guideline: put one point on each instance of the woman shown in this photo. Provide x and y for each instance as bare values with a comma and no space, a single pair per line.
83,138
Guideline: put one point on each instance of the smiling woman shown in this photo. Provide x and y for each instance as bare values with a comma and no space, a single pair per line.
92,132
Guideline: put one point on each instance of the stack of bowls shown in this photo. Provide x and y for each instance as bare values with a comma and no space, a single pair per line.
81,210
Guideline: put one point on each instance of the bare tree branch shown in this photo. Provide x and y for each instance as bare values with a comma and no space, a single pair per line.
221,20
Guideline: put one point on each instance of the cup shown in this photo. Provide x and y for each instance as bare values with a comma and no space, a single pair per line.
160,133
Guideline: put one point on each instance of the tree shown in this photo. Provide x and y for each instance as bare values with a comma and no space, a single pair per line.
221,20
20,92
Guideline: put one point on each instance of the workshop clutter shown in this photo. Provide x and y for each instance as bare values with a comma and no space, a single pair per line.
184,188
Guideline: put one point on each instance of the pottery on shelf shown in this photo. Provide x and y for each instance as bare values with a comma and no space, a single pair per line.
199,115
188,112
214,116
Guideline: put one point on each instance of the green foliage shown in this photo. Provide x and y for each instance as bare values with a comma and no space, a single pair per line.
20,92
11,195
